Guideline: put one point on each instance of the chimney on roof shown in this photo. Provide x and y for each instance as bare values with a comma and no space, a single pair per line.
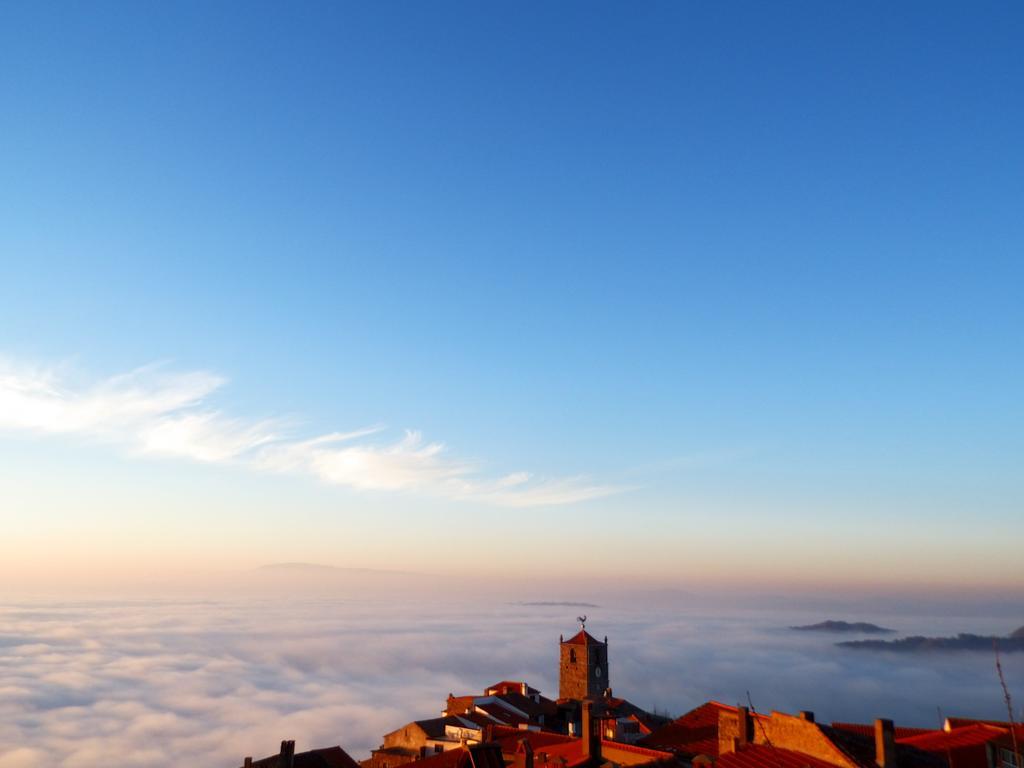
524,689
885,743
744,727
287,757
590,735
806,714
247,763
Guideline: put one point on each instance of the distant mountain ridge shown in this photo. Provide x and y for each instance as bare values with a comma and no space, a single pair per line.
845,626
962,642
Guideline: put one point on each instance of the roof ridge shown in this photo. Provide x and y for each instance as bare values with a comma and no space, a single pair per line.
636,749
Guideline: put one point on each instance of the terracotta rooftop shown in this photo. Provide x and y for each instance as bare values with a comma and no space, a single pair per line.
967,736
572,752
511,686
868,730
763,756
582,638
695,733
502,713
475,756
434,727
328,757
960,722
508,738
861,749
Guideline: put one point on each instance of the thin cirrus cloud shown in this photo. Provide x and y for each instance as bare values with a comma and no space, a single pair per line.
155,411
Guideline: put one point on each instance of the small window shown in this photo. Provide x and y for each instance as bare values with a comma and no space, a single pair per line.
572,655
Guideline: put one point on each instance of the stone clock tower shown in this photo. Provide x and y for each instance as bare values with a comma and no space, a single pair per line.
583,667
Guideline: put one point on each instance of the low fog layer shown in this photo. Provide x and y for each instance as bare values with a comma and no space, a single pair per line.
206,682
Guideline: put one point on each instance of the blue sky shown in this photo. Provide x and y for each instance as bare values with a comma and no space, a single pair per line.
716,263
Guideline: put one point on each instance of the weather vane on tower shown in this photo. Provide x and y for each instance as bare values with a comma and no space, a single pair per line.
583,621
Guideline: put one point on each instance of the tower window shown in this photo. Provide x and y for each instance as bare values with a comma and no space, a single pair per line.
572,655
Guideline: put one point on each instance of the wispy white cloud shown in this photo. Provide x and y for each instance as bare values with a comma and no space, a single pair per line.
153,410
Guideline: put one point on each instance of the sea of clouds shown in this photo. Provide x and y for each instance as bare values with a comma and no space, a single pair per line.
206,682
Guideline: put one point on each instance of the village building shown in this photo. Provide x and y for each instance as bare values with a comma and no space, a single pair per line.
506,703
510,724
1007,749
328,757
583,675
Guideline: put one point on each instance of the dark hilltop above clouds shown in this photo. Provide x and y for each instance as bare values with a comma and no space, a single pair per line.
962,642
845,626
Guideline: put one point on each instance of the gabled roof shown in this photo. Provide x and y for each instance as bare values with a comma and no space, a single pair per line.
508,738
501,713
571,752
868,730
695,733
942,741
479,719
614,706
763,756
434,727
327,757
582,638
510,686
527,705
861,749
474,756
960,722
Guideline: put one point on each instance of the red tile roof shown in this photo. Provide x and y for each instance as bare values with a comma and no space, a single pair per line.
942,741
582,638
572,752
868,730
960,722
502,713
326,757
508,738
655,754
511,686
861,750
329,757
763,756
695,733
474,756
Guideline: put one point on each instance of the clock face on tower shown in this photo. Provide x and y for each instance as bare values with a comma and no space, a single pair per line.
597,671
